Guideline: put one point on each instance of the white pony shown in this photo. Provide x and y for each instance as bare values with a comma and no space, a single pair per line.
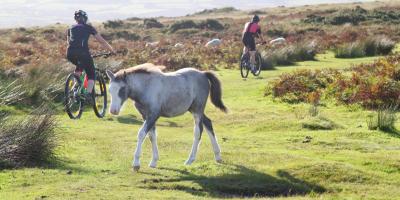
168,95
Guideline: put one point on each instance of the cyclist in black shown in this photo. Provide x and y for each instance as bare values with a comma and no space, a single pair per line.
250,32
78,49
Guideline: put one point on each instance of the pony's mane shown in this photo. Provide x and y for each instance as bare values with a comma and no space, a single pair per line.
147,68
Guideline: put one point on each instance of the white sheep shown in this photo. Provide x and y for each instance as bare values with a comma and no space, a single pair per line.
214,43
152,44
179,45
279,40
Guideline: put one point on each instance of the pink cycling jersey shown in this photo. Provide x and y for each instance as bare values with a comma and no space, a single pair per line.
254,28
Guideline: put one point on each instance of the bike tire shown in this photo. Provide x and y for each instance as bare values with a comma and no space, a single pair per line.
244,70
72,102
258,65
100,97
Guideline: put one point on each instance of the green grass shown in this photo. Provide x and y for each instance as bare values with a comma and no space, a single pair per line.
262,144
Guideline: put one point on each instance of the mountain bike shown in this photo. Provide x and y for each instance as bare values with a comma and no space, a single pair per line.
76,88
245,65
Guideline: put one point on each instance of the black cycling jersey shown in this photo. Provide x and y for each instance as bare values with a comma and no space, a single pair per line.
79,35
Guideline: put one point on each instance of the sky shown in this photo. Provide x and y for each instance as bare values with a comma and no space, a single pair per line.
22,13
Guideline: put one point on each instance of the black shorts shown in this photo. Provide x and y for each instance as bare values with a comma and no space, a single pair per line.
83,61
249,42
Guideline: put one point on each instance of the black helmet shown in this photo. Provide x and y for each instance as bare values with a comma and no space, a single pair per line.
256,18
81,16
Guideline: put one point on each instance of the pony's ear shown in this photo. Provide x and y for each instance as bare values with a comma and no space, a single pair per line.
110,75
125,76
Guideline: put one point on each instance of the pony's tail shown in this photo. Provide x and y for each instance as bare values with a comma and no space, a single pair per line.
216,92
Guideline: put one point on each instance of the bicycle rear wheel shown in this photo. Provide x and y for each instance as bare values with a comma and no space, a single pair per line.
72,102
244,69
100,96
257,69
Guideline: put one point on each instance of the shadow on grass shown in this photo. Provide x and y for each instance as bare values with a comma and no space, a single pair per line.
239,182
54,163
394,132
129,119
132,119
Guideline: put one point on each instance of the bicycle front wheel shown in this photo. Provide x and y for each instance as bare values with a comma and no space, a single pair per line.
257,69
72,102
100,97
244,69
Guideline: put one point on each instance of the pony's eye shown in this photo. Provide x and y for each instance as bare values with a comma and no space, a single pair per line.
122,92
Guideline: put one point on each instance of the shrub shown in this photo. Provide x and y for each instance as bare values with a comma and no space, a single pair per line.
211,24
152,23
22,39
183,24
113,24
30,142
122,35
216,10
302,85
384,45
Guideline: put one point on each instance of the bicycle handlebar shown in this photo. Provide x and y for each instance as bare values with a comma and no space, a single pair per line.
106,54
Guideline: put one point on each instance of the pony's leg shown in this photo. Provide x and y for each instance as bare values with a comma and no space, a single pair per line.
198,129
147,125
153,139
217,151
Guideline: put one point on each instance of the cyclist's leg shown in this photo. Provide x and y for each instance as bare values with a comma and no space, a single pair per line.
252,50
88,66
74,59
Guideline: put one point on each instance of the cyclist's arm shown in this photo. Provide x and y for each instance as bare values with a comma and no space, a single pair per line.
103,42
67,36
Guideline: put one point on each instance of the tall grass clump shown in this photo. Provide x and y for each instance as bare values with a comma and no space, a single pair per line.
372,46
287,55
28,142
384,118
351,50
11,93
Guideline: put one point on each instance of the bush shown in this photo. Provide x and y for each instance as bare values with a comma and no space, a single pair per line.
152,23
122,35
211,24
22,39
183,24
30,142
301,85
373,85
113,24
384,45
216,10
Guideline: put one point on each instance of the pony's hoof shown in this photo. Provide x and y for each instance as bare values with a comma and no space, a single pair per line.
152,165
136,168
219,161
189,162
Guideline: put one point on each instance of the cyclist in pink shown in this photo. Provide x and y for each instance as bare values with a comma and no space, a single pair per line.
250,32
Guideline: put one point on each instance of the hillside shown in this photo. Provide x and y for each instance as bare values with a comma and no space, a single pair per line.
318,123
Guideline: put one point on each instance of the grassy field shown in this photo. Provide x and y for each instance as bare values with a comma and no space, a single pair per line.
266,152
